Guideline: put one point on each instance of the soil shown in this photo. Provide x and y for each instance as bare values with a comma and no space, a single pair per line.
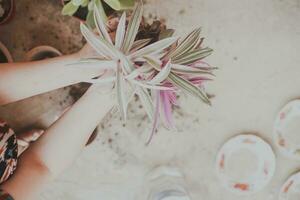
7,6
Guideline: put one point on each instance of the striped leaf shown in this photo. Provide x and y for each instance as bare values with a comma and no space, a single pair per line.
120,87
155,47
148,86
153,62
146,100
193,56
120,33
183,69
100,45
162,75
139,44
133,28
101,27
187,44
189,87
141,70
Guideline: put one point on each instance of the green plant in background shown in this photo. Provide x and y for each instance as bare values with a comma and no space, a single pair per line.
72,6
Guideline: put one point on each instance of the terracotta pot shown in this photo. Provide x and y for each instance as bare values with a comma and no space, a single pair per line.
9,10
5,56
42,52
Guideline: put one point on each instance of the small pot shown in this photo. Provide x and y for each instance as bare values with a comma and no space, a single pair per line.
5,56
41,53
9,8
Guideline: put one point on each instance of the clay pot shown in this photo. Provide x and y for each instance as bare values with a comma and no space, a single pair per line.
9,9
41,53
5,56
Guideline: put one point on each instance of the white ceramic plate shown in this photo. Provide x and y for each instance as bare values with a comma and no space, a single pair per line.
287,113
258,179
290,186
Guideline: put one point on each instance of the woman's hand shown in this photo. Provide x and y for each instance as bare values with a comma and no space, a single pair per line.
46,75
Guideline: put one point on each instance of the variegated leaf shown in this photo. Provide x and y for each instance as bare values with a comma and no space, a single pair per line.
162,75
120,86
193,56
148,86
189,87
146,100
141,70
139,44
120,33
155,47
95,64
133,28
187,44
99,44
183,69
100,24
153,62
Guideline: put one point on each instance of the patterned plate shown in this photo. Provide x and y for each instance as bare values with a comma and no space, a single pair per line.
287,113
290,186
266,164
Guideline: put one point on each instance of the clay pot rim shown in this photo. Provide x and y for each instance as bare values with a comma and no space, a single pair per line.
6,52
10,14
43,48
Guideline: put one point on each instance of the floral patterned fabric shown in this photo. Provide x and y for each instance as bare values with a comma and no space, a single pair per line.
8,155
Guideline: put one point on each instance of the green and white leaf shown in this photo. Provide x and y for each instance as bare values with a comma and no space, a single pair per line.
133,28
126,64
100,24
120,86
148,86
162,75
104,48
90,19
93,63
155,47
193,56
139,71
153,62
187,44
120,33
99,6
189,87
183,69
139,44
146,100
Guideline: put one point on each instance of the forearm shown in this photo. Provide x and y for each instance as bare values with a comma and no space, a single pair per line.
65,139
59,145
22,80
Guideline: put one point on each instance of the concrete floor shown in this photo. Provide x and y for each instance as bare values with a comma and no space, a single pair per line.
256,47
